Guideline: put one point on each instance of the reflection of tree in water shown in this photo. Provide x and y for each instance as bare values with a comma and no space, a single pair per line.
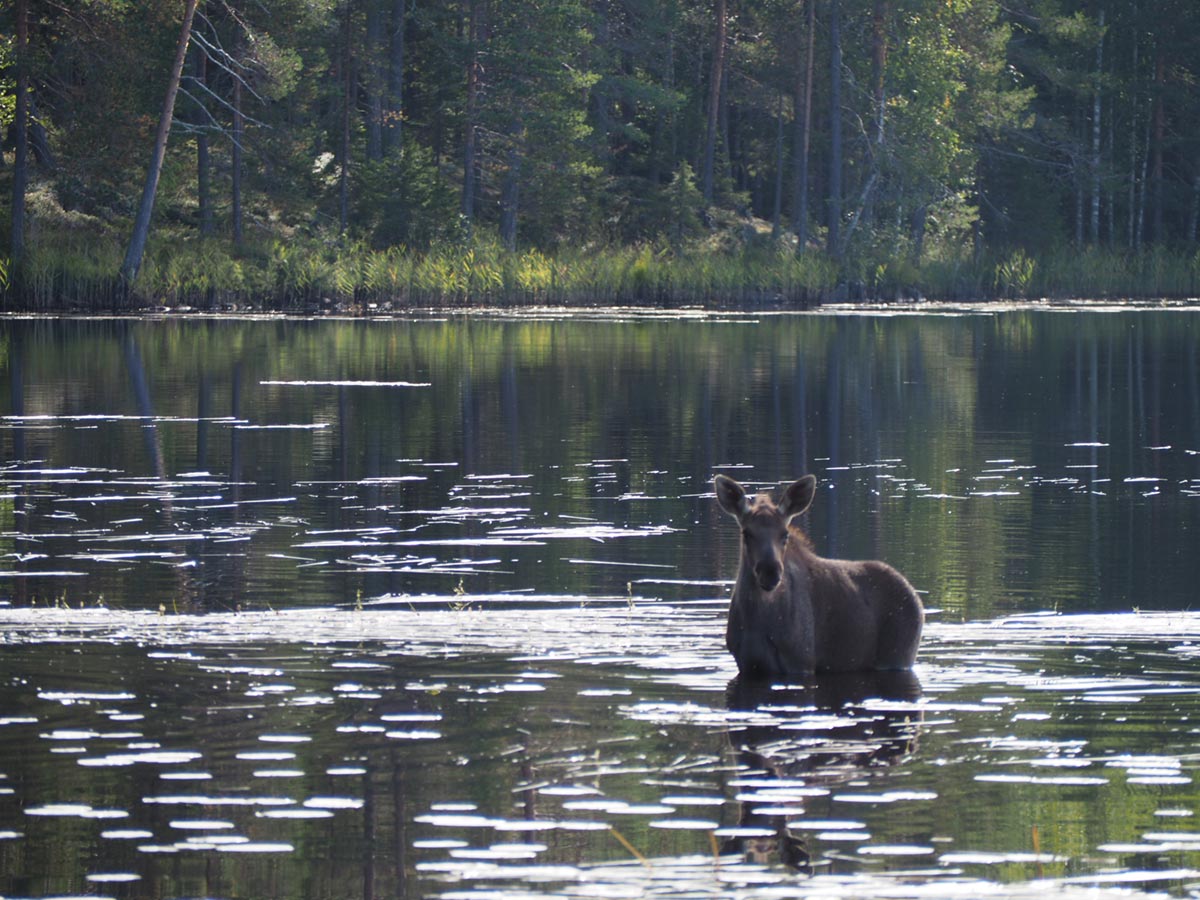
822,753
16,386
209,580
900,417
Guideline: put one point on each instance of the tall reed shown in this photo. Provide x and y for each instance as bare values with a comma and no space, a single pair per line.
67,269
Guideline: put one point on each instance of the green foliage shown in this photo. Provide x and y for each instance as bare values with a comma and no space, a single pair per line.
400,200
8,95
968,137
1014,275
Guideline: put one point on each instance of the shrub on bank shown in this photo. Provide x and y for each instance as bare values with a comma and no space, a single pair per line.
68,269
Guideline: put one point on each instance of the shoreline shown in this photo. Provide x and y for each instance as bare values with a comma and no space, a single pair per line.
628,312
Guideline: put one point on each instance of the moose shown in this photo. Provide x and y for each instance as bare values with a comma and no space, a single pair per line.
794,613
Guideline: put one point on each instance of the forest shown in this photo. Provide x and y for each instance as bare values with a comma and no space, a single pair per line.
300,154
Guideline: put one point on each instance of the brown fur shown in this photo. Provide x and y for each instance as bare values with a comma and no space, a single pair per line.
794,612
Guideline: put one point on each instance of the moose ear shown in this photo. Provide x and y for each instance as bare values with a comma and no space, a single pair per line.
798,496
731,496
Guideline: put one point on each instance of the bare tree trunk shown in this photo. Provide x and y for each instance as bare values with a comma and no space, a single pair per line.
393,119
470,138
1139,239
239,130
777,210
1160,133
203,160
141,224
510,194
1194,214
716,77
833,244
674,124
1078,175
374,73
1078,184
1131,236
1111,211
1094,230
344,150
917,231
21,127
879,19
800,188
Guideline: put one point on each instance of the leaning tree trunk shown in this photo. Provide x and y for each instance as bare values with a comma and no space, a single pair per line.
141,224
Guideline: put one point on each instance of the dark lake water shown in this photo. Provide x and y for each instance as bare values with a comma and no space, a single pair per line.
435,607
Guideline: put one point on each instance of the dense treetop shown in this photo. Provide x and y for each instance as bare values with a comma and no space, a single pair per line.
877,133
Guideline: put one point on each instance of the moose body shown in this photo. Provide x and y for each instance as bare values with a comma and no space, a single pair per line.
794,612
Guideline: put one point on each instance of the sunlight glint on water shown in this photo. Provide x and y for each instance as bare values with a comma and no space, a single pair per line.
437,607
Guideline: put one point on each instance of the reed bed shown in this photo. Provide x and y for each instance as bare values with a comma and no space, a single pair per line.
76,272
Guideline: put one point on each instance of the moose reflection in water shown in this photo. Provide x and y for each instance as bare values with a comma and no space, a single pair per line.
794,613
830,731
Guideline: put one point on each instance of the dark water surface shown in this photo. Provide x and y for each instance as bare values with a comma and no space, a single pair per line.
435,607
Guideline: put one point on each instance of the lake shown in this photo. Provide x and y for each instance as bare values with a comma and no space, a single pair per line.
434,607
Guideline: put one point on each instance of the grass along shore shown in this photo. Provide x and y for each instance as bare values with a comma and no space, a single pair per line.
68,271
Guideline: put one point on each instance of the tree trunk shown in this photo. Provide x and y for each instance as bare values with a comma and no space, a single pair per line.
344,149
1094,221
880,14
716,77
917,231
470,137
1160,132
1078,180
1139,239
1194,214
374,81
510,195
833,244
671,87
1111,211
777,208
239,130
879,17
21,128
1131,236
141,224
203,161
803,135
393,119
